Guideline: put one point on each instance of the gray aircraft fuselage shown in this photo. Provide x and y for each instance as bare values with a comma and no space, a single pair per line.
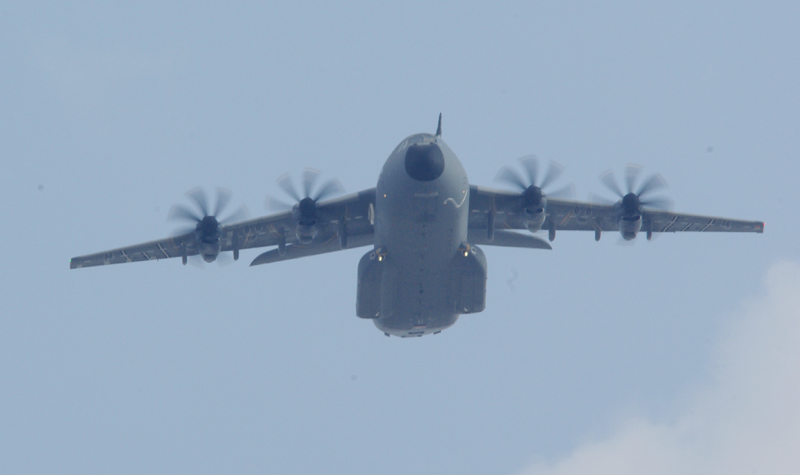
421,218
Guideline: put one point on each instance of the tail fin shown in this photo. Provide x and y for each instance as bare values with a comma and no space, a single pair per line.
439,128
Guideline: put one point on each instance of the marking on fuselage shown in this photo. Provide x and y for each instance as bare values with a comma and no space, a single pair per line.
463,199
371,215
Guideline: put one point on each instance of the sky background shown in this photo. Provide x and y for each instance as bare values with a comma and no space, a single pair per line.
679,355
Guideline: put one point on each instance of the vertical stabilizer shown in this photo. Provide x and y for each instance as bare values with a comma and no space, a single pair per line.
439,128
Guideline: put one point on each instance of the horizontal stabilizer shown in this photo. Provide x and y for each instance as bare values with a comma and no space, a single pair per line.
506,238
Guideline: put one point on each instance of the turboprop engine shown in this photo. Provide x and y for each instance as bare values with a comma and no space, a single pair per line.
533,200
632,203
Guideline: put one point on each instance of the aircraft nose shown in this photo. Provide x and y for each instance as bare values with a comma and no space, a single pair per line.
424,162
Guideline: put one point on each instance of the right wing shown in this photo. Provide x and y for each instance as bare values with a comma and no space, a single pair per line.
184,245
351,216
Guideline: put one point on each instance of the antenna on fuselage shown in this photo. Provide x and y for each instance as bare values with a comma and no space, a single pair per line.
439,128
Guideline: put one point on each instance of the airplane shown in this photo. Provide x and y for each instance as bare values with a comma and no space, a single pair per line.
424,222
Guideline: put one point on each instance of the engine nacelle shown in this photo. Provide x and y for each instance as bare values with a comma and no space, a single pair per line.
629,226
306,232
209,251
304,214
533,205
534,219
207,238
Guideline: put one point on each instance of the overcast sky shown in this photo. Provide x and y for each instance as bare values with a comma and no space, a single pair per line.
679,355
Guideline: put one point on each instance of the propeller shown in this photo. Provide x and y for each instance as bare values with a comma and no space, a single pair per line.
532,189
329,188
204,218
205,224
633,201
304,212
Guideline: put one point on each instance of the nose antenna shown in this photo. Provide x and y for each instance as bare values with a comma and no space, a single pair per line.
439,128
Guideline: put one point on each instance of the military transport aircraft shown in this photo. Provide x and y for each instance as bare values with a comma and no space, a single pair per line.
423,221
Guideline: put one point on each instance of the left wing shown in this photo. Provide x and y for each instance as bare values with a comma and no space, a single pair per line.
343,222
568,215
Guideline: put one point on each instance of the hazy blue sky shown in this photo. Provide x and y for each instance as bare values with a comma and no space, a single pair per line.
674,356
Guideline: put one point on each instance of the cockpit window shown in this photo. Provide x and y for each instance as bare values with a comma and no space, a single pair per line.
421,139
415,139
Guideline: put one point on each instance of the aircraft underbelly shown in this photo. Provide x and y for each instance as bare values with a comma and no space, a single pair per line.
420,247
421,217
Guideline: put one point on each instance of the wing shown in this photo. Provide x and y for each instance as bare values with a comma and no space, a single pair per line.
351,215
568,215
184,245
